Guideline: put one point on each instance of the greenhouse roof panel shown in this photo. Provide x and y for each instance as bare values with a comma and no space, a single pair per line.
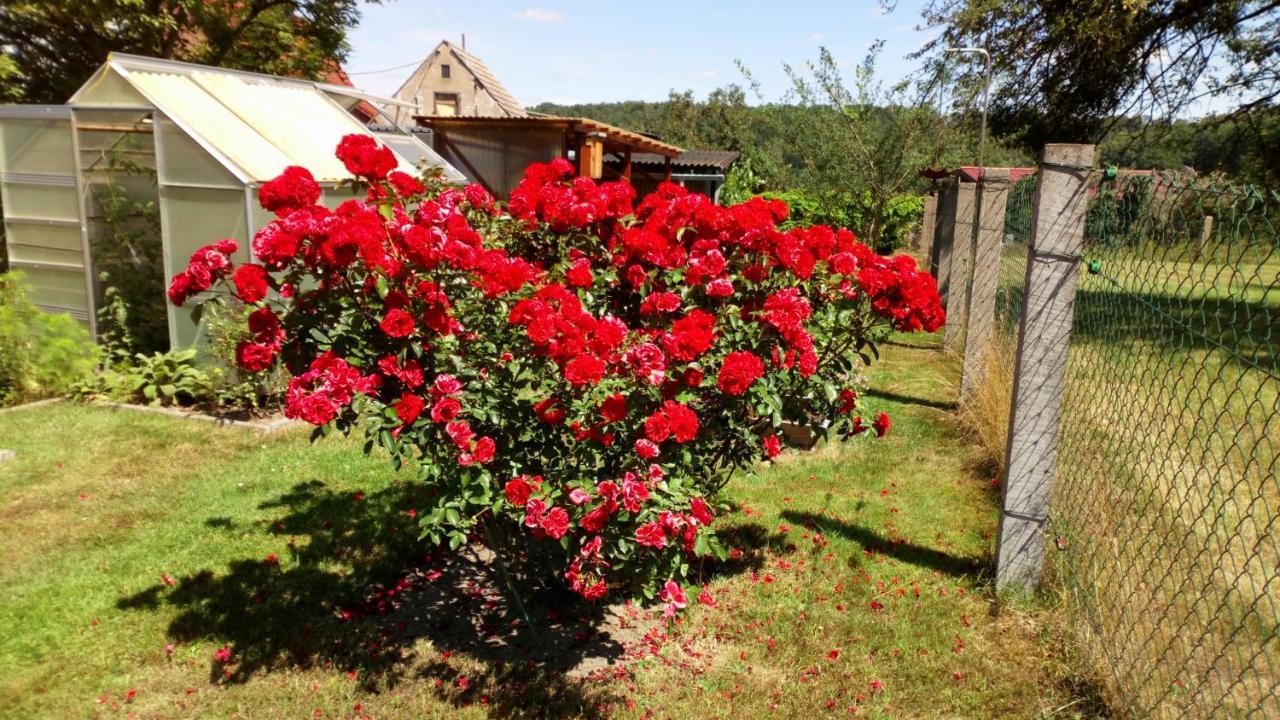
210,121
256,124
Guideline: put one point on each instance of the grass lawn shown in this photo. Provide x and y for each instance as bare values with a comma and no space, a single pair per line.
133,547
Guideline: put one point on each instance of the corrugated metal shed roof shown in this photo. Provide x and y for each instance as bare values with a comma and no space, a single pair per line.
695,159
614,134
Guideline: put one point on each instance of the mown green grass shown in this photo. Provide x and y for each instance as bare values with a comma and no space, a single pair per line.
101,505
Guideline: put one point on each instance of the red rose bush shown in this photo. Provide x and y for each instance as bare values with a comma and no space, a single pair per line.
573,368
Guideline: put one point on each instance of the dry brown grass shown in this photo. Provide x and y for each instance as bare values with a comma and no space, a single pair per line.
984,414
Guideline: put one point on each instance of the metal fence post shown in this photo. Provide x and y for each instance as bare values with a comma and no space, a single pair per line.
961,248
928,221
993,195
1044,334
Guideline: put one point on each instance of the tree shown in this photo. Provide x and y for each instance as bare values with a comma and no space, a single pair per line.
1065,70
53,46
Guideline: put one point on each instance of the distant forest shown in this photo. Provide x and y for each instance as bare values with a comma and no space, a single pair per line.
1217,146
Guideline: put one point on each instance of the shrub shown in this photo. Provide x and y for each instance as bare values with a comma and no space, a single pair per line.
570,368
41,354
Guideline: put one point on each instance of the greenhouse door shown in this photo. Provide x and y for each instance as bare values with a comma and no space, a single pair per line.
46,236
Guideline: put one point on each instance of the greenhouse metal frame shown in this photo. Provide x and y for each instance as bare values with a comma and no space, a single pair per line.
189,143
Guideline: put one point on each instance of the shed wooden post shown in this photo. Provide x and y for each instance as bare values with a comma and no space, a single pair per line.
626,165
666,169
993,195
958,274
927,222
1044,334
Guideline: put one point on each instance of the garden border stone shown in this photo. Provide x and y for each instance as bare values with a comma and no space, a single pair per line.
265,426
31,405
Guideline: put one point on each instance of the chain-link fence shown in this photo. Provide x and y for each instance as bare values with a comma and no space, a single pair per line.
1141,333
1166,501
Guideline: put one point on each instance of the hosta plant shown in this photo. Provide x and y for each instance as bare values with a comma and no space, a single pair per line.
571,368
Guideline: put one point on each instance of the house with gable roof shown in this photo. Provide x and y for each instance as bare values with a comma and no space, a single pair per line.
452,82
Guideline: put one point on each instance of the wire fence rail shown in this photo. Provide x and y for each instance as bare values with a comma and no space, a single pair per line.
1161,497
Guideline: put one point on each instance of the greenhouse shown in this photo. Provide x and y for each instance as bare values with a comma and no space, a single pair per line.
152,159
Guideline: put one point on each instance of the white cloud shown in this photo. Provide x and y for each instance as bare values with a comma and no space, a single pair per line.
541,15
708,74
817,38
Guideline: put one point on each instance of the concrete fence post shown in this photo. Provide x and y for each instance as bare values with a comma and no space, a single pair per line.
928,222
1044,335
993,196
1206,234
961,248
943,238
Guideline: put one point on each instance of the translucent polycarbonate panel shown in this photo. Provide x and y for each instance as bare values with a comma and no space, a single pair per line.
192,218
116,140
36,146
33,242
213,124
182,161
419,154
32,200
108,88
335,196
302,122
56,290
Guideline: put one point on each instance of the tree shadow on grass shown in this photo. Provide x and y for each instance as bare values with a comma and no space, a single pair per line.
358,591
910,399
900,550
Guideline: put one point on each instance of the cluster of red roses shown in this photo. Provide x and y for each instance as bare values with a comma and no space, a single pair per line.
443,322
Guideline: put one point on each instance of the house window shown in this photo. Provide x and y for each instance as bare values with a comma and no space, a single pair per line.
444,71
446,104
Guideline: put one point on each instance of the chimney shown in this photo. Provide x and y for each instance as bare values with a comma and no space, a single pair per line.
464,41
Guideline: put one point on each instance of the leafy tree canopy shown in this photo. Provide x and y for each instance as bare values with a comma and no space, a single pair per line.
1066,70
50,47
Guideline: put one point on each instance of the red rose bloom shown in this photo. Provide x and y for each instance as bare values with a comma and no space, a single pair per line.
646,449
445,409
397,323
700,511
690,336
363,156
484,450
251,282
614,408
651,535
180,289
254,357
683,420
579,274
584,370
556,523
881,424
772,446
409,407
292,189
518,491
738,371
656,427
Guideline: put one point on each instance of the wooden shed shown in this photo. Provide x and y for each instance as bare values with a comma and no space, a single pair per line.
494,151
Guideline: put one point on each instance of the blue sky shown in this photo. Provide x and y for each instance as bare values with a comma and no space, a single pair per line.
600,51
